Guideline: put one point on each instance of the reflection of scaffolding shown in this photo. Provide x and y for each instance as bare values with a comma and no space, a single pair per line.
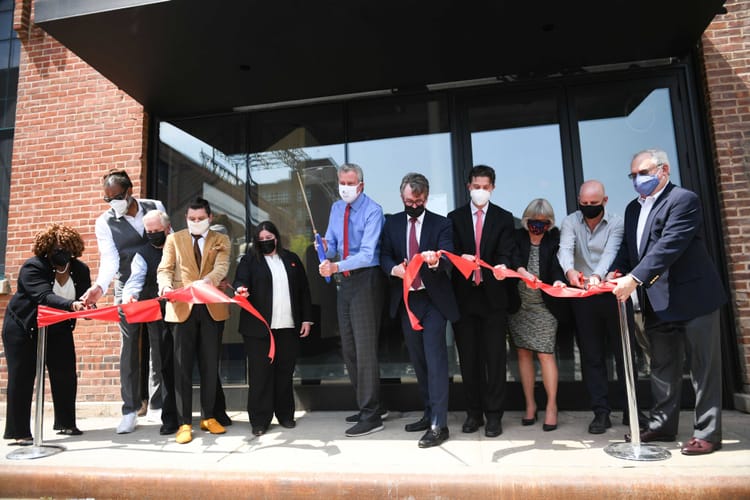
223,166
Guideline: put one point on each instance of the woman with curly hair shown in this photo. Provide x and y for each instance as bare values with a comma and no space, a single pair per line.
54,277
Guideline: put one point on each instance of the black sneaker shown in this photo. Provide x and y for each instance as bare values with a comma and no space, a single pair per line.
364,427
353,419
600,424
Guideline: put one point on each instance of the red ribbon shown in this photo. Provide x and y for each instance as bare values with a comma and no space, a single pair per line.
148,310
467,267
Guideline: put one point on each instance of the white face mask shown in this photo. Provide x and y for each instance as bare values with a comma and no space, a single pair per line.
200,227
120,206
348,193
480,196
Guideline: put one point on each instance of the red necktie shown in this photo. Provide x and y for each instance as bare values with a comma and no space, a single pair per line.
346,234
477,241
197,249
414,249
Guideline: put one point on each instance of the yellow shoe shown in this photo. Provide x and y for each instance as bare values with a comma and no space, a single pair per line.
184,434
212,426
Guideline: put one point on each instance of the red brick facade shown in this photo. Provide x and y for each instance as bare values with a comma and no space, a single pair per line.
726,48
72,125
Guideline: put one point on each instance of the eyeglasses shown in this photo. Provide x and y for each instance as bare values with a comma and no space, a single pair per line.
120,196
632,176
414,203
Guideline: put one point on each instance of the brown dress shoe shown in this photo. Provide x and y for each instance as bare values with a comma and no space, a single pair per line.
698,446
184,434
212,426
651,436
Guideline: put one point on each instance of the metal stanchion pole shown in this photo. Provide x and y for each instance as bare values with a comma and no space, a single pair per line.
633,450
39,449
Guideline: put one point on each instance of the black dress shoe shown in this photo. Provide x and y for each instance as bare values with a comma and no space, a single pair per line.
420,425
168,429
434,437
600,424
288,424
224,419
493,428
259,430
73,431
472,424
549,427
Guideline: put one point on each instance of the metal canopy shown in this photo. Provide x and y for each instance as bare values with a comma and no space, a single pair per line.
189,57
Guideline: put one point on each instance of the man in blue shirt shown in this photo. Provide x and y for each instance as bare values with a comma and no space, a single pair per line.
353,235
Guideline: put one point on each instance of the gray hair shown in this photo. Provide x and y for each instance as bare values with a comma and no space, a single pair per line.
417,182
157,214
658,155
538,207
352,167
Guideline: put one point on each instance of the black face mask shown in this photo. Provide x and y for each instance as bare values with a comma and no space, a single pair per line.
414,212
60,257
267,246
157,239
591,211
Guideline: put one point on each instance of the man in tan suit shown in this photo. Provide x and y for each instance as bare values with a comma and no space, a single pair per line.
196,326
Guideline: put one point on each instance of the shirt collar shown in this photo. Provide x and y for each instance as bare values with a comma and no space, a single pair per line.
475,209
652,197
420,219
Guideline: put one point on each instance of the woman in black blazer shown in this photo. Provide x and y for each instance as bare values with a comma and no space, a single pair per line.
533,324
54,277
275,282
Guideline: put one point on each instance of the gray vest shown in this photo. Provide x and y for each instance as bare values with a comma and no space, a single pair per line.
127,240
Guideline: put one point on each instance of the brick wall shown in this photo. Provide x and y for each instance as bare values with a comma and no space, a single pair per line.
72,126
727,68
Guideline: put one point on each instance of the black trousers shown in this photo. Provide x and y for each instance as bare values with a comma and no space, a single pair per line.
199,335
271,387
20,353
160,332
482,353
598,335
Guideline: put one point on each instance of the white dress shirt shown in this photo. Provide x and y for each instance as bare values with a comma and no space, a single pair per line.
281,314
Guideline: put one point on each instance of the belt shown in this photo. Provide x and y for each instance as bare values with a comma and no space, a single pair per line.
352,272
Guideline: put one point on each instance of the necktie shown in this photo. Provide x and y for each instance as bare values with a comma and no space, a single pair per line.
346,233
414,249
477,241
197,249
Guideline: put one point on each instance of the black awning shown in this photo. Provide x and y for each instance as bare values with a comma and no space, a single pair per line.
189,57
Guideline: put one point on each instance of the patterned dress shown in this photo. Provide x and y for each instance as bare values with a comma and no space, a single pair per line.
533,327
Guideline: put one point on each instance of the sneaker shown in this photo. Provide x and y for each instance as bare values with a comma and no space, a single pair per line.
364,427
127,424
353,419
600,424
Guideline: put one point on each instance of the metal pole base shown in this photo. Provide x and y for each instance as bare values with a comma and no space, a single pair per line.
642,452
31,452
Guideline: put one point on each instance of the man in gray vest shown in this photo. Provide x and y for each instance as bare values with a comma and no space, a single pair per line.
120,233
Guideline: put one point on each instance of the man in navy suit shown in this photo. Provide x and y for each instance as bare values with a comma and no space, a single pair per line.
668,264
416,230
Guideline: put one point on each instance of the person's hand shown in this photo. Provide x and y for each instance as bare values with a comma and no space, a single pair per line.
165,290
469,257
305,330
92,295
399,271
129,299
327,268
624,287
559,284
78,305
242,291
430,257
223,285
497,271
595,280
574,278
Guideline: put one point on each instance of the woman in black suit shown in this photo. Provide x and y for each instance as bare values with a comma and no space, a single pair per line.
54,277
276,284
533,324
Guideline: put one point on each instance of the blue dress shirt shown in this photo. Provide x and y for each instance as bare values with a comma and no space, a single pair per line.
365,224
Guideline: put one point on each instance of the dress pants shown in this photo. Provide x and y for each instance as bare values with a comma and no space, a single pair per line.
482,352
598,334
162,359
20,353
699,340
130,359
360,303
271,387
198,334
428,352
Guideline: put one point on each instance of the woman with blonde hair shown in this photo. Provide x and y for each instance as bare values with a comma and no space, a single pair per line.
53,277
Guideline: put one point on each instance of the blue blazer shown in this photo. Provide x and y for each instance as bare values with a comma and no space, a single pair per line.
678,274
437,234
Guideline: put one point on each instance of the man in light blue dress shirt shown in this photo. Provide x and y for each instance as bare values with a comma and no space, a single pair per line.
353,235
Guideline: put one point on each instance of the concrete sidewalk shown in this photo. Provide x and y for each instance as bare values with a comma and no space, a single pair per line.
316,460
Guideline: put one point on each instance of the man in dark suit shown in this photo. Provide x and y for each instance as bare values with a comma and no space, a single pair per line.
405,234
681,292
483,302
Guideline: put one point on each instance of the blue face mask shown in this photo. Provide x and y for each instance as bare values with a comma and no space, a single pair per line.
645,184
